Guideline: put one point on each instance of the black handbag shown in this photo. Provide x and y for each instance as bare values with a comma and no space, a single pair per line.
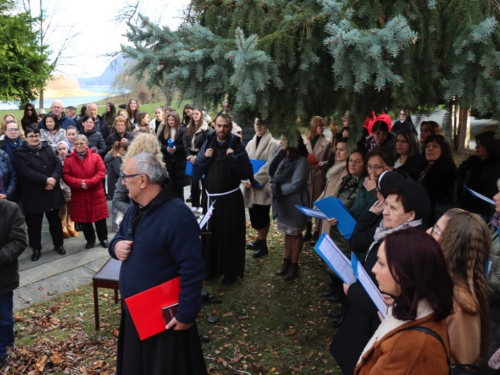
456,368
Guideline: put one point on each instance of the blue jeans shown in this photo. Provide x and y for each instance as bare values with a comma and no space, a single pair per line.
6,322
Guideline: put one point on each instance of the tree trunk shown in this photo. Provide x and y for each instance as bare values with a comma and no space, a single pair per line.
463,129
40,102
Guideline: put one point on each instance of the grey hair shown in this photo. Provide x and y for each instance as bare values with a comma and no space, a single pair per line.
146,163
81,136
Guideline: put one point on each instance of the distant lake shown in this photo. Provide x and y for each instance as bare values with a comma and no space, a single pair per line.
101,93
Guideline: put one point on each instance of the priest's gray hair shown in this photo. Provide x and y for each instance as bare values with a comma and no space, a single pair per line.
147,164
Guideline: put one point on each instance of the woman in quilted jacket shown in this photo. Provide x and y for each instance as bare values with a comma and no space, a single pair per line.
84,172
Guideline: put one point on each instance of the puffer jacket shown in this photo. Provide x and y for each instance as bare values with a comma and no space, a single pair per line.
87,205
9,176
64,187
96,140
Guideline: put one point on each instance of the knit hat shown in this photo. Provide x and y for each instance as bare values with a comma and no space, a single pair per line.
416,196
386,179
41,111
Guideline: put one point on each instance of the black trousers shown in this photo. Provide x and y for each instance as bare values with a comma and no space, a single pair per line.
34,224
100,227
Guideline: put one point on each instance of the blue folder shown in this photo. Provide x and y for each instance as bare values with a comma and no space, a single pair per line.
189,168
333,207
256,166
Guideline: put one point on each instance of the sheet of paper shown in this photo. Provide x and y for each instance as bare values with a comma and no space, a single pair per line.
336,260
480,196
369,286
311,212
207,216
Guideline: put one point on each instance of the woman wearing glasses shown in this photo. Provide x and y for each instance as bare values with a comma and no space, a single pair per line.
39,171
84,172
465,241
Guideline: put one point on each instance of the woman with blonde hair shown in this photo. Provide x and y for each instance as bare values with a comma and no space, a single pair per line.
464,238
7,118
320,147
142,143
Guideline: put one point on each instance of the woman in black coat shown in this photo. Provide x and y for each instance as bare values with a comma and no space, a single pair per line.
480,173
96,141
39,172
408,160
439,176
175,157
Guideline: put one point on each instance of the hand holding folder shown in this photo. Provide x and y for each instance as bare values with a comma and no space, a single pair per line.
146,308
334,208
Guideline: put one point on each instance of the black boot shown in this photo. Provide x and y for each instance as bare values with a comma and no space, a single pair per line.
285,267
293,273
308,234
337,314
254,245
262,250
330,291
36,254
314,239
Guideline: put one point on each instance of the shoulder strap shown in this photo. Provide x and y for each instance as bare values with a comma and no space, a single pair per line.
433,334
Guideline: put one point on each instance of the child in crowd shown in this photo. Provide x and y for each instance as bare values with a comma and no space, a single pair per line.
114,165
68,226
71,133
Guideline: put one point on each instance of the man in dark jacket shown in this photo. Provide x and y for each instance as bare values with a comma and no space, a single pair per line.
158,240
57,109
12,244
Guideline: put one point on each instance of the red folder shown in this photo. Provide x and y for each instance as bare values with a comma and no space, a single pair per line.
146,307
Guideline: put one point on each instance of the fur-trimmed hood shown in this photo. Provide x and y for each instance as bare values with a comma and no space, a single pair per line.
335,170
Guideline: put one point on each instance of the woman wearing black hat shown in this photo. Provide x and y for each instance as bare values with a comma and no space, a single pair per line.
406,206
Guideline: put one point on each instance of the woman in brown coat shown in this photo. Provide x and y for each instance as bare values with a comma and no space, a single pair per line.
411,270
320,148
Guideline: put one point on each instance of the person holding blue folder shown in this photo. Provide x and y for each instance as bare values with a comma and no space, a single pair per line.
260,149
406,206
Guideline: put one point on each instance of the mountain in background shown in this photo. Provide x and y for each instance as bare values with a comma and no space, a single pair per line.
108,76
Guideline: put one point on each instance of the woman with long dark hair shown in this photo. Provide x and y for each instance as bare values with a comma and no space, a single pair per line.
133,110
187,113
408,159
51,132
196,134
175,157
439,176
288,171
412,339
29,117
110,113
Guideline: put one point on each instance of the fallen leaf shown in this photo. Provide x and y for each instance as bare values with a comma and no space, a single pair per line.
40,363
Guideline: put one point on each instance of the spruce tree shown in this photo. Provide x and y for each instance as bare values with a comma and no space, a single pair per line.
286,61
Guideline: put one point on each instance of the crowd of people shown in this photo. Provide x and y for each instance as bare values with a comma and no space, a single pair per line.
396,183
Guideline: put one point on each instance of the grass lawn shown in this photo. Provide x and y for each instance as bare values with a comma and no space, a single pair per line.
266,325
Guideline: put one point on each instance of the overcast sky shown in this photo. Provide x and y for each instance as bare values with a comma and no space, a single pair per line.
99,34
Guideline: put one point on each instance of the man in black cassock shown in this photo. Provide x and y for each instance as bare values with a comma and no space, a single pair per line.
224,162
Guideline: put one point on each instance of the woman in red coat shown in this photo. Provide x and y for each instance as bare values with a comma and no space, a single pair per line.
84,172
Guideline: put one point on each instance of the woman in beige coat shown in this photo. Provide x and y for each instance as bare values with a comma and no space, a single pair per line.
261,147
320,147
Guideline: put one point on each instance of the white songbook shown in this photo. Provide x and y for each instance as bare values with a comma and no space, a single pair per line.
336,260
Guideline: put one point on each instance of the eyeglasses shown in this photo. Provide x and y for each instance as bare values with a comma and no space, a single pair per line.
29,109
436,230
13,130
34,136
375,167
125,176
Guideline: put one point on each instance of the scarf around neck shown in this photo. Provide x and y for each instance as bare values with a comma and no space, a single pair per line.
381,232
